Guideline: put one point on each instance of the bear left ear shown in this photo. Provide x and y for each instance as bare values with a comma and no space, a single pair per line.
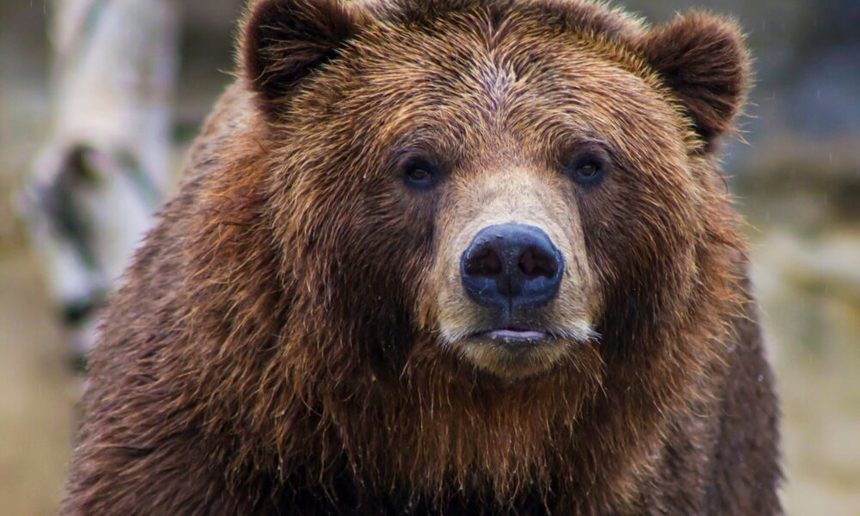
703,60
283,41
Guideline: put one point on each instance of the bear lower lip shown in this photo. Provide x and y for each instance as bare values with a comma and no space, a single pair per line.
515,336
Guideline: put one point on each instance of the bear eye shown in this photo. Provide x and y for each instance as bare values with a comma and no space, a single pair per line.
420,173
588,171
587,168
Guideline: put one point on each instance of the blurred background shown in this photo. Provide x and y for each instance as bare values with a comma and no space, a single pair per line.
150,76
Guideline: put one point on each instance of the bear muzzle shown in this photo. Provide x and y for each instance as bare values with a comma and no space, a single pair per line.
513,270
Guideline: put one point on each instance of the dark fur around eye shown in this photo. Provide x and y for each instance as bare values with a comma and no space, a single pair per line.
419,173
588,164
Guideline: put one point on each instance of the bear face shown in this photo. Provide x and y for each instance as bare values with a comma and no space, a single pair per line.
573,141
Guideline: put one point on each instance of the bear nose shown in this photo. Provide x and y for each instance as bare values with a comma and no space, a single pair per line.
511,265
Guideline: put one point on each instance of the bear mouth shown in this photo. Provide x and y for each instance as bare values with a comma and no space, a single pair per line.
513,352
513,336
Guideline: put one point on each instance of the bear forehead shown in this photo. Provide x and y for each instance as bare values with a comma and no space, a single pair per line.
467,69
577,15
475,48
517,29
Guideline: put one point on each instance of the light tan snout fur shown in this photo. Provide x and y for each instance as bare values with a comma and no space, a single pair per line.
518,195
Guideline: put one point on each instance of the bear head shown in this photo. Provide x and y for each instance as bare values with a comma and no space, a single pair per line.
509,186
492,216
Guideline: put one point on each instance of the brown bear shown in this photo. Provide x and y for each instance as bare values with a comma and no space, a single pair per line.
444,257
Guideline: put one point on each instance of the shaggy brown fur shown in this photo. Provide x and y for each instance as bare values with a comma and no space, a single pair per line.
293,338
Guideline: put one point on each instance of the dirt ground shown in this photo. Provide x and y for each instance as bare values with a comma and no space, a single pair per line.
37,394
813,331
801,198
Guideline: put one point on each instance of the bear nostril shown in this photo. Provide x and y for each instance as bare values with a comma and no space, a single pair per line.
535,262
486,262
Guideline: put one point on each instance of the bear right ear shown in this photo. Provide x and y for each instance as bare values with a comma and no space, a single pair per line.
703,60
285,40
